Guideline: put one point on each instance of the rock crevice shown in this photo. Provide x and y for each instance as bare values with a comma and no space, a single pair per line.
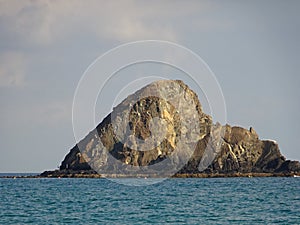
148,127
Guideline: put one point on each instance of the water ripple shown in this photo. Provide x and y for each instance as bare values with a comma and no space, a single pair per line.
174,201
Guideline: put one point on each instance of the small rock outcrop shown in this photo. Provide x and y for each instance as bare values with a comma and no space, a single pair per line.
243,152
165,121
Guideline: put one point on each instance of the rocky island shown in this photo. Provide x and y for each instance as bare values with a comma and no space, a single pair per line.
189,143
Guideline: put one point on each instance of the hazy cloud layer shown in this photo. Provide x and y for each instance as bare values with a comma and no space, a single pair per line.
12,69
45,46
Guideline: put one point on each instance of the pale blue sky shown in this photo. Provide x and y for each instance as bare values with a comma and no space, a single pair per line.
253,48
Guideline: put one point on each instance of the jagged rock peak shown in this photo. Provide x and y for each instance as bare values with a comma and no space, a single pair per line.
162,128
161,120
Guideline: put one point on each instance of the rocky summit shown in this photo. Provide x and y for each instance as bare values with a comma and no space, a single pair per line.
161,130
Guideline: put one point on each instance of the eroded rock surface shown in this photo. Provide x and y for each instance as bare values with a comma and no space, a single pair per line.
165,121
243,152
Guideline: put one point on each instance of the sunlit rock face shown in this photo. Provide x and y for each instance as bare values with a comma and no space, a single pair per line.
242,151
161,129
154,130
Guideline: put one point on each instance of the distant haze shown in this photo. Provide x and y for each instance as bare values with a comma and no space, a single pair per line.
253,48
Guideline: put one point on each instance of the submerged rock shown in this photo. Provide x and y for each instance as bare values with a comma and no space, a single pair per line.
161,130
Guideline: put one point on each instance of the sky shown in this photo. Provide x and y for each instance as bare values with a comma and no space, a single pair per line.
253,48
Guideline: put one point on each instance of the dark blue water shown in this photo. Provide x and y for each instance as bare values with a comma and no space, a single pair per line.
174,201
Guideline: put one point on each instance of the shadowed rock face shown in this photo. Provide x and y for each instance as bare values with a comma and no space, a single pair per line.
157,111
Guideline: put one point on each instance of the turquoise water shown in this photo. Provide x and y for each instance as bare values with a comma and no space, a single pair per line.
173,201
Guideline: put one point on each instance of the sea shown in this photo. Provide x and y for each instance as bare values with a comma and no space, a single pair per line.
150,201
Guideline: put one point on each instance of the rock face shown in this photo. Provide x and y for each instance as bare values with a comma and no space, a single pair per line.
243,152
162,128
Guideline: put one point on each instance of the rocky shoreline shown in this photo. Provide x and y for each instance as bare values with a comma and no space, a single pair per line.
83,174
